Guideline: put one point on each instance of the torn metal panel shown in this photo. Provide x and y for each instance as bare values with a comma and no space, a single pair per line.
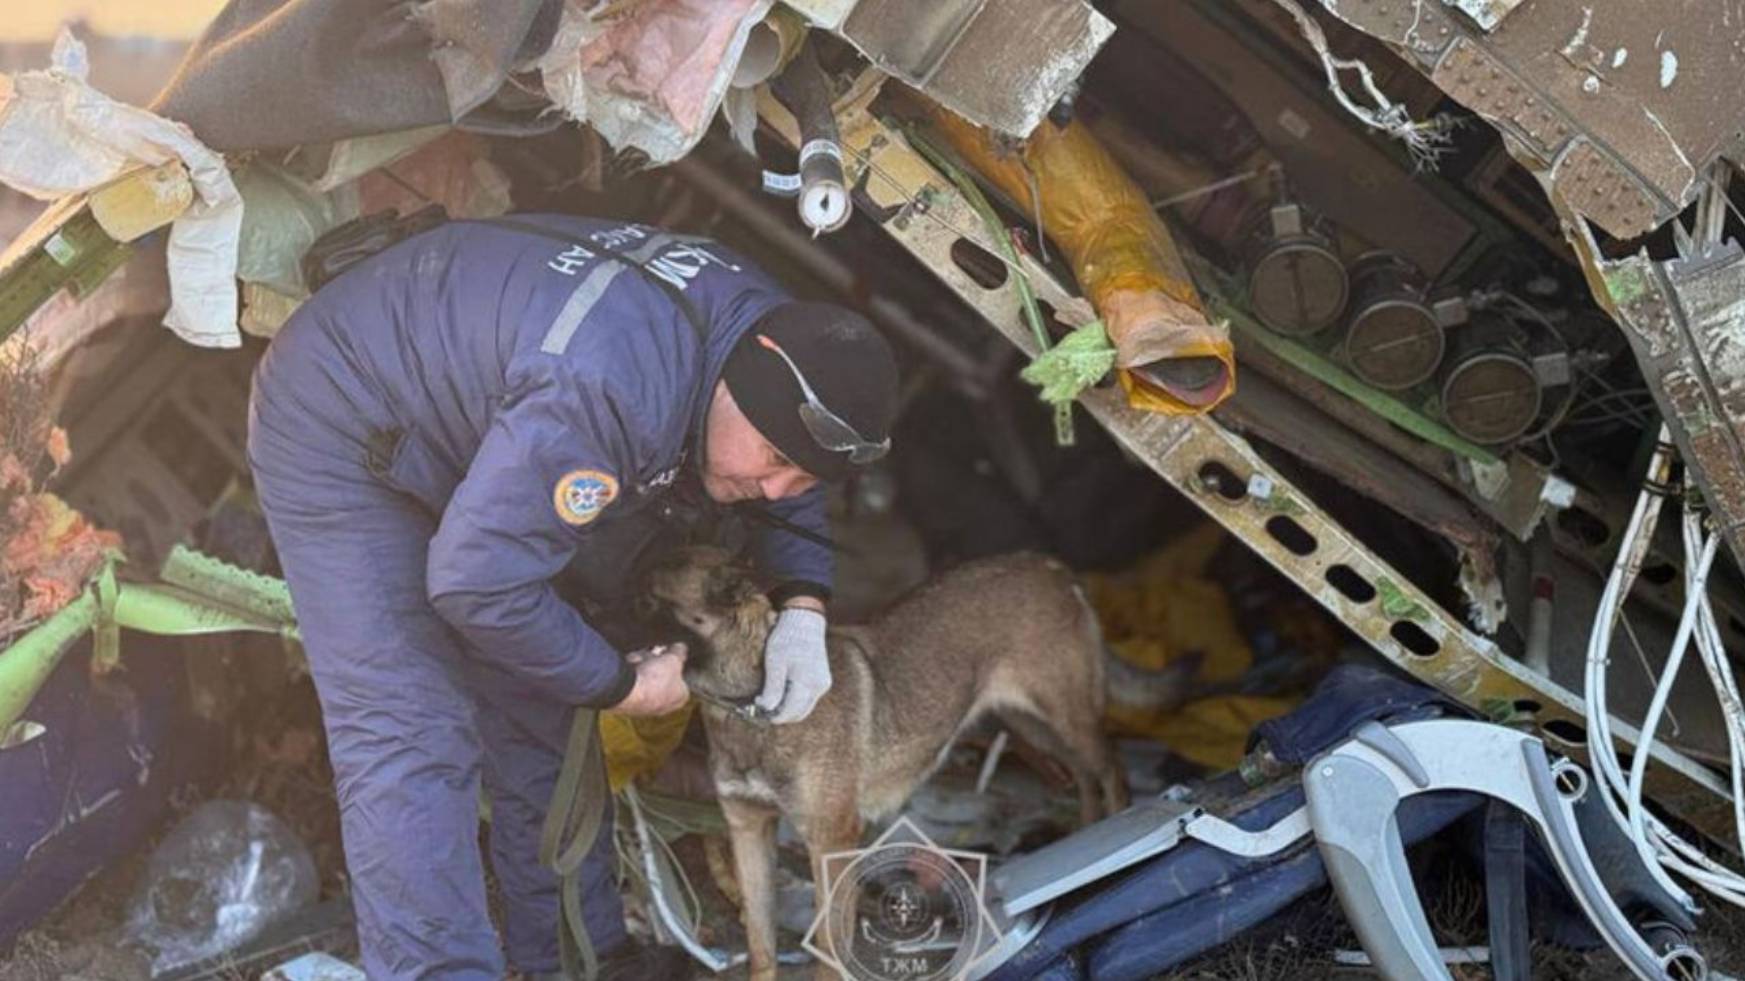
1486,13
827,14
1686,323
1223,475
1622,104
1517,492
1001,65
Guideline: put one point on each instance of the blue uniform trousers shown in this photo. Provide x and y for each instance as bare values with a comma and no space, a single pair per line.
415,720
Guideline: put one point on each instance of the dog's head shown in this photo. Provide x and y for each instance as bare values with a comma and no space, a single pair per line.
718,603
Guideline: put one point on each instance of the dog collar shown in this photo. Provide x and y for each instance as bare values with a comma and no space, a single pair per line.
745,711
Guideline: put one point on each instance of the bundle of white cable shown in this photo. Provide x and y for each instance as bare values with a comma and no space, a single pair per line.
1660,847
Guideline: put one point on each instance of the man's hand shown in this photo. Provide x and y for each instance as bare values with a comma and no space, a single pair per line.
660,683
796,670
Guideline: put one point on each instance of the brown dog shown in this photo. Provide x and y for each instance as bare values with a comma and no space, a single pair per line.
1010,635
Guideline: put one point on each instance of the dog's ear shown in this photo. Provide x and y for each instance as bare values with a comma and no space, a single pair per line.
748,589
721,590
730,587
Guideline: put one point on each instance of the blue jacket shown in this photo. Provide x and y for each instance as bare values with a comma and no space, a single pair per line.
528,391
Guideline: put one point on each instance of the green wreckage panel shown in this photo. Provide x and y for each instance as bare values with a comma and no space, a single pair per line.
200,595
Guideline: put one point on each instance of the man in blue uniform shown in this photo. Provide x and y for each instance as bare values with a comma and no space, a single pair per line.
449,426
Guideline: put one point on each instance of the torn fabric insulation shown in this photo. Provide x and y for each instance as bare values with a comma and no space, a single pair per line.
653,78
60,136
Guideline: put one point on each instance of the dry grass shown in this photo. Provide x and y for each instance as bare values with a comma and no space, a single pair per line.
1302,950
25,427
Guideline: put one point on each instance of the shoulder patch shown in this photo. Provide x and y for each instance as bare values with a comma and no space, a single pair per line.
581,495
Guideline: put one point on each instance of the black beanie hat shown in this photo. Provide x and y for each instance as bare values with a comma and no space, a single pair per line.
848,364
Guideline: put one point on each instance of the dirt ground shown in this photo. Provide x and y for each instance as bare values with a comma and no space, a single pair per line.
288,774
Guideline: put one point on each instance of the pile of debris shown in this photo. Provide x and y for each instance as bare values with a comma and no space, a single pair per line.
50,551
1475,286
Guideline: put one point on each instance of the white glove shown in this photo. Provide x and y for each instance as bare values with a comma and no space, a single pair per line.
796,669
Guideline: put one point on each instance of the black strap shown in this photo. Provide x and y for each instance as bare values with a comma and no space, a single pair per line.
349,243
762,516
573,821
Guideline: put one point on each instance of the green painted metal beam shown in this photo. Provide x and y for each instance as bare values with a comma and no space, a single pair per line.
77,254
28,662
222,599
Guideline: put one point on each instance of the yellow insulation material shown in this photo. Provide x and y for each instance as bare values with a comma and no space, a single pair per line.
636,746
1121,252
1165,608
1213,732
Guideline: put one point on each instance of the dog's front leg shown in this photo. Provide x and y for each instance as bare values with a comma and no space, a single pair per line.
831,825
751,827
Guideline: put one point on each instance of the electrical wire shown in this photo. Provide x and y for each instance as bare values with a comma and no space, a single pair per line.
1212,188
913,200
1639,394
1558,418
1720,670
1642,659
1662,849
1633,546
1651,721
1604,418
1426,141
1631,400
1614,405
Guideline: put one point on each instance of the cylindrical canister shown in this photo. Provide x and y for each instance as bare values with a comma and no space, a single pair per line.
1490,392
1393,340
1296,281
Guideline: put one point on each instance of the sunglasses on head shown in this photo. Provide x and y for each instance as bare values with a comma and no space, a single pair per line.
826,428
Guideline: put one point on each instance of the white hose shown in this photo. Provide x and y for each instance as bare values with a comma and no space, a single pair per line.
1660,847
1651,721
1720,670
1632,548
